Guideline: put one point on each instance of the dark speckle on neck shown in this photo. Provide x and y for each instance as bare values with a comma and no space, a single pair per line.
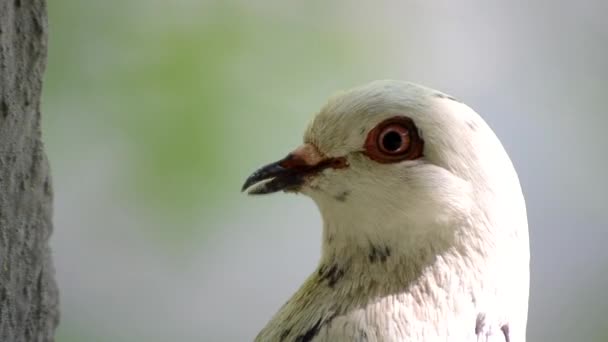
284,334
343,196
331,274
379,253
479,323
505,331
313,331
310,333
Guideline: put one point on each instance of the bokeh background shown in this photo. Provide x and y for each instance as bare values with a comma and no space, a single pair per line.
155,112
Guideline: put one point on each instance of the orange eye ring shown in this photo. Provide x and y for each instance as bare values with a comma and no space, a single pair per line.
394,140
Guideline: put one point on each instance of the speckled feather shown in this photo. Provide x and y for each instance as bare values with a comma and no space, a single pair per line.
434,249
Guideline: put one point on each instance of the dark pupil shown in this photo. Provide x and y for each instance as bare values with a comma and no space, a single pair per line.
392,141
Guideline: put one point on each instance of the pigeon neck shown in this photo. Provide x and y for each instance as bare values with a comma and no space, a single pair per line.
399,256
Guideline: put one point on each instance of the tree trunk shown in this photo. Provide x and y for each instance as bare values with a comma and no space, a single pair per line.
29,299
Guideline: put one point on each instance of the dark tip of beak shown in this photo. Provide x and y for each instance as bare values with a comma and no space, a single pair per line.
286,181
264,173
285,174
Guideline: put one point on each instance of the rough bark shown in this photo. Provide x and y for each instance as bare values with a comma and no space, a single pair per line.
28,292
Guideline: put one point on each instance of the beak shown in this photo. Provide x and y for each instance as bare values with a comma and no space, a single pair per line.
291,172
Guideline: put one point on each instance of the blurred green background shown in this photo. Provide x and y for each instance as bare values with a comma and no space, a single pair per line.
156,111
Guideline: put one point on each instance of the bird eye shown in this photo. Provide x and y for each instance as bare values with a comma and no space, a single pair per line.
394,140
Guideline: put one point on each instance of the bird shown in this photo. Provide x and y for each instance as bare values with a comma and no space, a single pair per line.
425,232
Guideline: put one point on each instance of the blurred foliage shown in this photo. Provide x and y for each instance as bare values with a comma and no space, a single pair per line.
178,82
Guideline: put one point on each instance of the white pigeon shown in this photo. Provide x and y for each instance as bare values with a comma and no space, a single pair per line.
425,236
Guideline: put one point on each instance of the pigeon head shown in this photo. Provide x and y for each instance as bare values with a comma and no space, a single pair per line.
392,160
